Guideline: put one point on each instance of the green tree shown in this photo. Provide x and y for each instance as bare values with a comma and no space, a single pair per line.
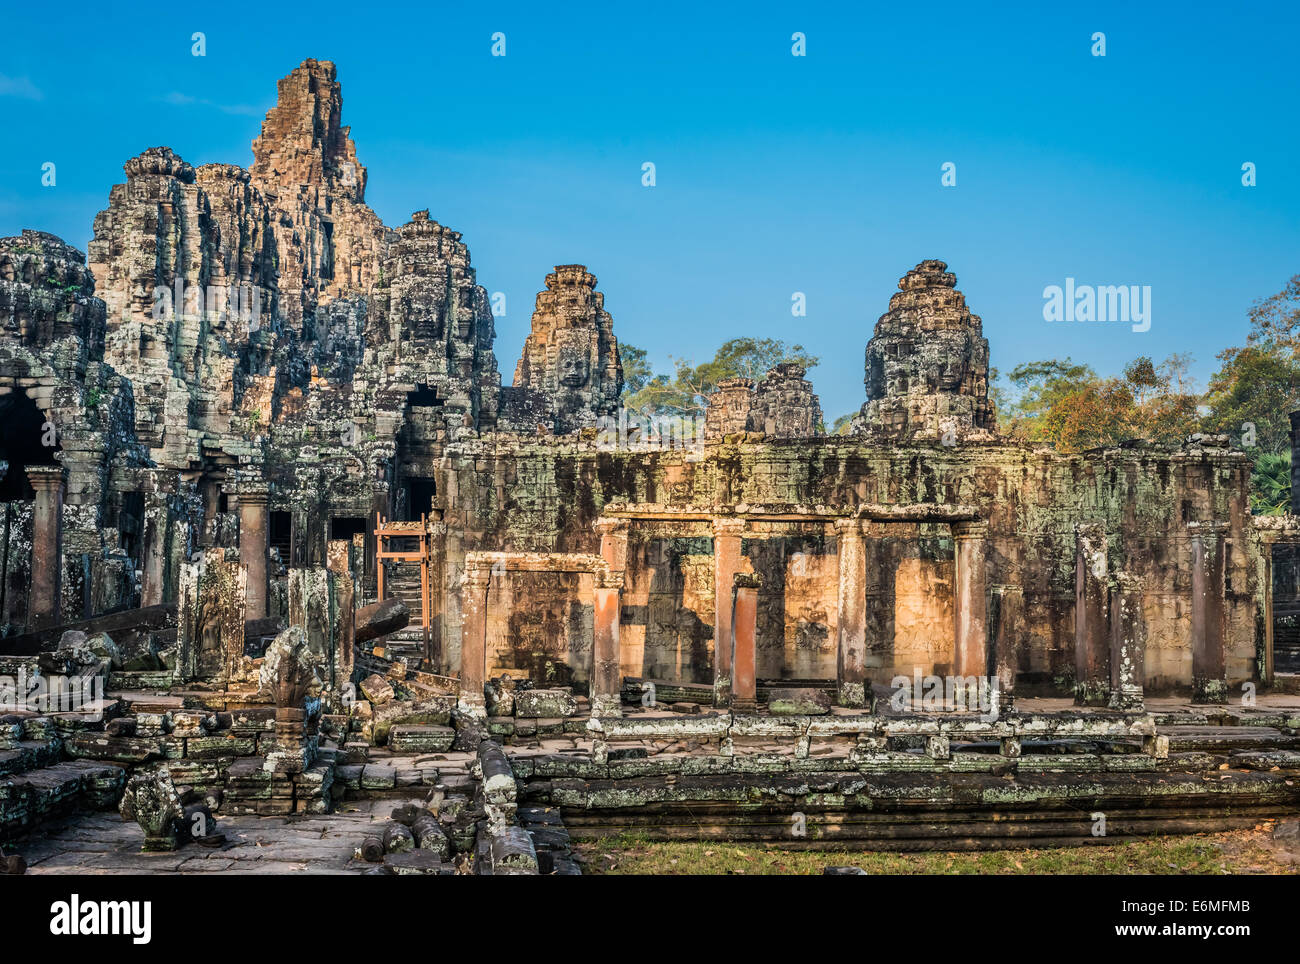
1251,394
842,425
684,392
1074,408
1257,385
637,373
1270,484
1036,389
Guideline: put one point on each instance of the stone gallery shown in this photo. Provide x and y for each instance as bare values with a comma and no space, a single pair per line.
277,537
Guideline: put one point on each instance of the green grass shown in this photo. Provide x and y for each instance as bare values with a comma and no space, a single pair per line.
631,854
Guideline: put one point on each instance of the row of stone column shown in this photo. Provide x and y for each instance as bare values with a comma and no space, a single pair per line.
1110,630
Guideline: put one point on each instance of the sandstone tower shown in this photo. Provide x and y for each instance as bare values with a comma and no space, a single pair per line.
781,405
927,366
571,356
431,323
306,164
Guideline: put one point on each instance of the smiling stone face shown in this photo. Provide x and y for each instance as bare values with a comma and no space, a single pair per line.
927,361
569,374
573,361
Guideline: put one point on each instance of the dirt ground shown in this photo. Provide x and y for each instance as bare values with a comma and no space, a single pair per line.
1273,847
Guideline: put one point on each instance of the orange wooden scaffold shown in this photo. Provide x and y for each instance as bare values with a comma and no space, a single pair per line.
388,529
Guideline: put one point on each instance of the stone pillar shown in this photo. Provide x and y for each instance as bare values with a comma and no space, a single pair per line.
1091,634
1128,641
1006,616
437,592
970,602
852,613
613,543
473,642
1264,658
606,672
254,523
47,546
343,658
744,632
154,541
726,563
1209,662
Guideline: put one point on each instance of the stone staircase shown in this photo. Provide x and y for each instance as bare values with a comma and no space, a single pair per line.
37,783
402,581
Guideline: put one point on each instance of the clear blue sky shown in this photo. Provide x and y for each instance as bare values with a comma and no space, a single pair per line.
775,174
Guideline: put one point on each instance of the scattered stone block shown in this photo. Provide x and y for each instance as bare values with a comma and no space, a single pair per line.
536,704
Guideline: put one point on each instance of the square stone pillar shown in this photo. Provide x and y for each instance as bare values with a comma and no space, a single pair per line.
473,643
1091,606
852,613
1267,540
1007,616
437,592
343,661
153,538
726,563
606,673
613,543
744,632
1209,661
43,607
970,603
1128,641
254,544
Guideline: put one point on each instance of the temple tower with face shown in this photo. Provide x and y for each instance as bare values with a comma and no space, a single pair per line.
927,366
570,367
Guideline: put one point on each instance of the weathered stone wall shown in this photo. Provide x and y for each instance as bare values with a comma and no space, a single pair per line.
501,492
60,403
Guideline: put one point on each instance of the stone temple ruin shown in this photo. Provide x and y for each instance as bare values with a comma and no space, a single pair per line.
277,536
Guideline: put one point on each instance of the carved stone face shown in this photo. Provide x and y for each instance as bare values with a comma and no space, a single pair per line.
895,379
422,312
951,374
574,362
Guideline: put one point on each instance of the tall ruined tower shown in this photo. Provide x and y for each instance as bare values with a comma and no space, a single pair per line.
305,163
927,366
431,324
571,355
214,278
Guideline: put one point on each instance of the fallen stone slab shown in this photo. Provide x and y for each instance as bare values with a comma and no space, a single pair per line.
408,738
380,619
545,704
1267,759
416,862
377,689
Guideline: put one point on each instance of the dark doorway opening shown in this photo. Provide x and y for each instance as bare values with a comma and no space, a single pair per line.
345,527
24,434
131,525
422,397
419,498
280,534
1286,609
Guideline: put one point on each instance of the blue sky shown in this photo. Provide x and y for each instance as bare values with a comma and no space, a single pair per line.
775,174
